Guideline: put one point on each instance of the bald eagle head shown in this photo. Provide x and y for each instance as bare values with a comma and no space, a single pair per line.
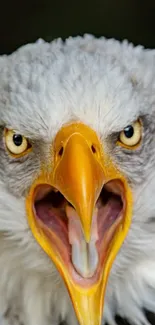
77,182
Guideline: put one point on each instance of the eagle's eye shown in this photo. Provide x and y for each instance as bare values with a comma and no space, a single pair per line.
16,143
130,137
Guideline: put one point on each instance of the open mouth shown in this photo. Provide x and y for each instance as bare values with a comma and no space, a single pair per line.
59,221
79,209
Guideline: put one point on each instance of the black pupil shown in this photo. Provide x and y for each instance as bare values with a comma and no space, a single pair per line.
17,139
129,131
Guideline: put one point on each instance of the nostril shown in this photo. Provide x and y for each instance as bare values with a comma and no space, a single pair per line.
61,151
93,148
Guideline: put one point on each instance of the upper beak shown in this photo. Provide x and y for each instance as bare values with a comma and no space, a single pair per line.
80,170
79,176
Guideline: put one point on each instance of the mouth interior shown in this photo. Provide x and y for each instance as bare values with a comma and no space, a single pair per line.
50,213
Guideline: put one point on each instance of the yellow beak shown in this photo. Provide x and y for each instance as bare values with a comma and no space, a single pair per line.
79,171
79,177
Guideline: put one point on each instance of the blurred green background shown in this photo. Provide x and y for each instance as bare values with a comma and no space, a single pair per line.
25,21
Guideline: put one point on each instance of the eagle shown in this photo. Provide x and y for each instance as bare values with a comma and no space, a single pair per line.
77,182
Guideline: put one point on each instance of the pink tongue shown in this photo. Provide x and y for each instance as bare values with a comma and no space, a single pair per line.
74,226
75,229
84,255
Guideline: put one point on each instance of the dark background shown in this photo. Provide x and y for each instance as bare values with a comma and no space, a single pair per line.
23,21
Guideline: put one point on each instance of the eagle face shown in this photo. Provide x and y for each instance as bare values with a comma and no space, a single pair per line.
77,182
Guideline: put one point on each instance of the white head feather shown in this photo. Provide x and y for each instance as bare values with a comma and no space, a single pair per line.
106,85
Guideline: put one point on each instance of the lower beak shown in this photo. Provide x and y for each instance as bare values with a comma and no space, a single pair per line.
80,171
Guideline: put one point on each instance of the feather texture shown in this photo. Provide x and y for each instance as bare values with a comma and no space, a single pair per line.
105,84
